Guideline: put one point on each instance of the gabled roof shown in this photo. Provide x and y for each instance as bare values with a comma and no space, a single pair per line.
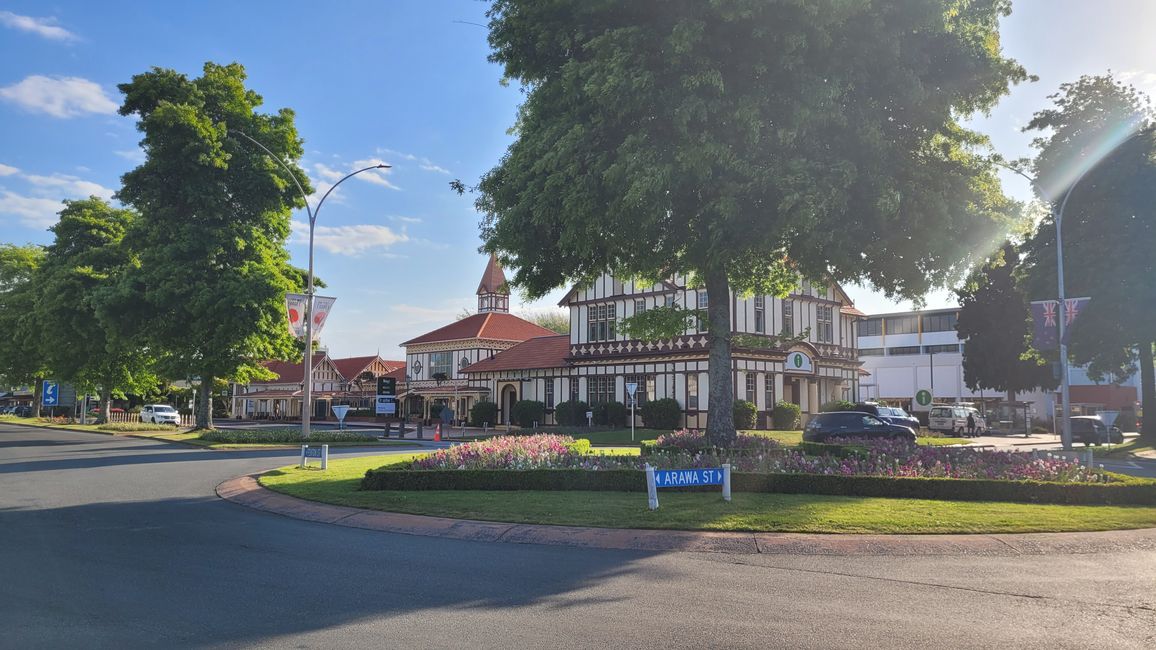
490,325
493,278
351,368
541,352
288,372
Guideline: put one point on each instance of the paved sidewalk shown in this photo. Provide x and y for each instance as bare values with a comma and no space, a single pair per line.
246,491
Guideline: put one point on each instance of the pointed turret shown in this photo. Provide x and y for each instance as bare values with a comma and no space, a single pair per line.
493,295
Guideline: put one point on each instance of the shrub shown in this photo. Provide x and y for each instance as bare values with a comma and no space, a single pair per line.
744,413
571,413
611,414
837,405
785,416
483,412
282,436
526,412
662,413
135,426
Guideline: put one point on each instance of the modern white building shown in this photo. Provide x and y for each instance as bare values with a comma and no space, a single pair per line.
906,352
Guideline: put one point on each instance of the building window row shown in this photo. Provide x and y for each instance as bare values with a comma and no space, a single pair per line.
902,325
871,327
870,352
939,349
939,322
902,350
441,362
600,320
600,389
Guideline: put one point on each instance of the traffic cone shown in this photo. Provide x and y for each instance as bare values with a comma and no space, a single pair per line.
438,433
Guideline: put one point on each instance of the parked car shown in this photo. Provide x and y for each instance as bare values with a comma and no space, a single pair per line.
889,414
22,411
853,424
159,414
1091,430
948,418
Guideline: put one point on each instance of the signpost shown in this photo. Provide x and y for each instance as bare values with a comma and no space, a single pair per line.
923,399
340,410
632,388
386,403
50,394
671,478
321,453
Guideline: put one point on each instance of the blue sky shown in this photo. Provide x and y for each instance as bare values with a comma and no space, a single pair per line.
406,83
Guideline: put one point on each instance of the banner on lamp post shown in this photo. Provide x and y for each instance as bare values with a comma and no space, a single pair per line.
321,308
1046,320
295,311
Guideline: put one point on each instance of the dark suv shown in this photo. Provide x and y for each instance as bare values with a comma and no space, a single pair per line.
889,414
853,424
1091,430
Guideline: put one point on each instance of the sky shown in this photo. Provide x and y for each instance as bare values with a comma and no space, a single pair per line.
403,82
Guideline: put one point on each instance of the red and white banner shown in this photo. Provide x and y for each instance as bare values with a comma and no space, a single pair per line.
295,311
321,307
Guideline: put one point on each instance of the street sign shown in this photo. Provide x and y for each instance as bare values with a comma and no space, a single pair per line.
385,405
50,395
632,388
669,478
923,398
321,453
386,386
340,410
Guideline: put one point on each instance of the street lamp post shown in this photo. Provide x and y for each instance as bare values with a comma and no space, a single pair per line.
306,362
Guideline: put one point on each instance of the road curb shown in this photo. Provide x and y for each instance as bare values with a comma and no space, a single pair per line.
247,491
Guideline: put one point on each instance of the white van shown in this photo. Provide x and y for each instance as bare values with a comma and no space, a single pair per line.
947,418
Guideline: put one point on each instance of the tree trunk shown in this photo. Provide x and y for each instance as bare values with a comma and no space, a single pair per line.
205,405
1148,392
105,403
720,420
1011,397
37,386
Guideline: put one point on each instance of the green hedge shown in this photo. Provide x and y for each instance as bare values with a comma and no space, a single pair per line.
745,414
785,416
571,413
276,436
483,413
610,414
527,411
134,426
1128,490
837,405
665,413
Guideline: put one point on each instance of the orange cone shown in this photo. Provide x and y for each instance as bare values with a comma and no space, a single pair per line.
438,433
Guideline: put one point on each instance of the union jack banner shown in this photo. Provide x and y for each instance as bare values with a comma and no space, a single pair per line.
1046,318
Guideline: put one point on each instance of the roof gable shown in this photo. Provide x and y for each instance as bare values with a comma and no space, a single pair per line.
490,325
540,352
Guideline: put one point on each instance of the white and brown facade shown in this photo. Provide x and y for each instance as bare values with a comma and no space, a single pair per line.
349,381
596,361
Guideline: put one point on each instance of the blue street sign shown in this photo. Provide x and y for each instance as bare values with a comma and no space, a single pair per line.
50,395
665,478
313,452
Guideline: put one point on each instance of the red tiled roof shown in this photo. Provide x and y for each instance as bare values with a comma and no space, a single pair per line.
397,373
288,372
850,310
490,325
493,279
351,367
541,352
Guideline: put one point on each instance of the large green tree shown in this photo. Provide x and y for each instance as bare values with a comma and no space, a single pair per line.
207,294
84,262
1102,128
994,322
746,143
20,361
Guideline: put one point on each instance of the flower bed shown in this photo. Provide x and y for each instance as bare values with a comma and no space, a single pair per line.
693,440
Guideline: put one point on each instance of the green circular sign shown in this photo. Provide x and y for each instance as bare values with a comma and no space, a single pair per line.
923,397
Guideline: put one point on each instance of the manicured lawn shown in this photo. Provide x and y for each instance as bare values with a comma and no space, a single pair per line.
1131,446
704,511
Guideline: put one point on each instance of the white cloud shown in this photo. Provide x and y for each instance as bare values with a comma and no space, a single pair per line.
44,27
430,167
1142,79
424,163
133,155
406,219
375,176
8,170
34,212
59,97
348,240
67,186
327,172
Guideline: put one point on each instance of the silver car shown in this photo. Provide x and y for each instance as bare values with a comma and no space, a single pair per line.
160,414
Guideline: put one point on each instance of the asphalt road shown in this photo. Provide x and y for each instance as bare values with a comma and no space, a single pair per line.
121,543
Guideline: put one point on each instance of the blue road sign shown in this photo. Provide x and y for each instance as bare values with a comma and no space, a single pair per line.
50,395
665,478
313,452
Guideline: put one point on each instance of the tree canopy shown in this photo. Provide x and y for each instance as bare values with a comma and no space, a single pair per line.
214,217
19,346
746,143
1103,129
994,322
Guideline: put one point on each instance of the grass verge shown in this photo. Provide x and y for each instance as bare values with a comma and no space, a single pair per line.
704,511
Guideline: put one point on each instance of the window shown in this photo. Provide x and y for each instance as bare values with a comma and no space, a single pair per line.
442,362
789,317
639,306
668,300
703,299
939,322
870,352
416,368
902,325
600,389
548,394
871,327
752,387
899,351
645,388
692,391
769,391
616,287
574,389
826,323
939,349
600,320
760,315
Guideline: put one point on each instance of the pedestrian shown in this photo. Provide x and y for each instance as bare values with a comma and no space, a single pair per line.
970,425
